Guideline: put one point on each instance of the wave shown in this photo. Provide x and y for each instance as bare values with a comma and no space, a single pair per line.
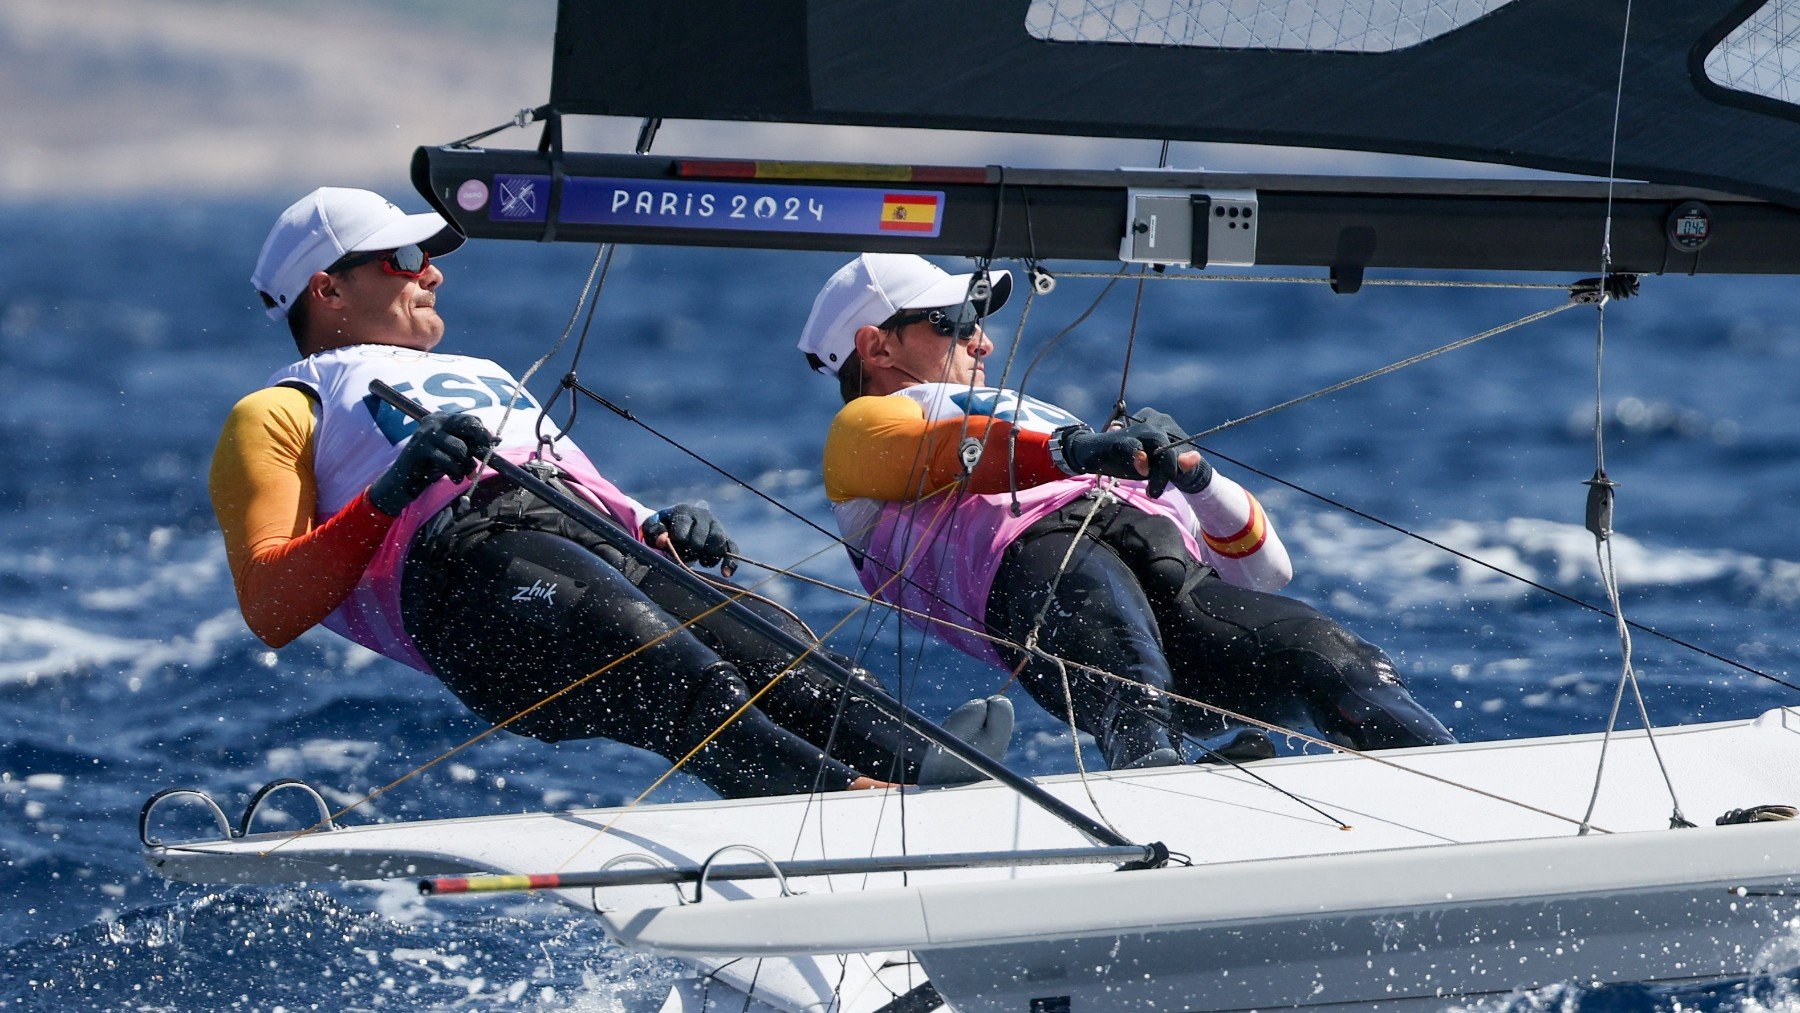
1772,987
1336,550
33,648
273,948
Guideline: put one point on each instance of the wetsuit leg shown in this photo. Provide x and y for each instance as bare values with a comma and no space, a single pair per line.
1266,655
511,617
1269,645
805,701
1100,618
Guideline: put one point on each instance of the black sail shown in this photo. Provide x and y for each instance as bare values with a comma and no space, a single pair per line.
1531,83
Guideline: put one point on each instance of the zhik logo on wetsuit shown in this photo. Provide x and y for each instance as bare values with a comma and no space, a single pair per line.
538,590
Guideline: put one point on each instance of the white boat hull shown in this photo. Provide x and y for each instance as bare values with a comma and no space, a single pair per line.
1436,891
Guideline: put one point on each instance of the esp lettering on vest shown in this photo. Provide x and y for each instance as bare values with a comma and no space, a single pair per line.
447,392
1008,406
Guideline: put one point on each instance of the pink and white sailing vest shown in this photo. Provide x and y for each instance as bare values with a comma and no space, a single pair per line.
358,436
949,546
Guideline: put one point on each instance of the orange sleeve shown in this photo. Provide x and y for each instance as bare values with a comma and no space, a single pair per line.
883,448
290,573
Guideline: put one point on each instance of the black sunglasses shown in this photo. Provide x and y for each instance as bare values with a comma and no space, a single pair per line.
405,262
958,322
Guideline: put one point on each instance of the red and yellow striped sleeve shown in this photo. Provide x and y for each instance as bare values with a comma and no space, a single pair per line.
883,448
289,572
1245,540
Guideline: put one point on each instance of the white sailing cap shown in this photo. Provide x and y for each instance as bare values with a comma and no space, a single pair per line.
319,228
875,286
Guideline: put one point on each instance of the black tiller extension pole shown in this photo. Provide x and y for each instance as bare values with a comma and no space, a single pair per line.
623,541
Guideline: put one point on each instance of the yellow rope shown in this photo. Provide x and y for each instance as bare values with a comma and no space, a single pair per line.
472,740
1335,747
485,733
866,599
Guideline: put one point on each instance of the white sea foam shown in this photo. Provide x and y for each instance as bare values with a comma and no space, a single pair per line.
1405,572
183,579
32,648
38,648
323,754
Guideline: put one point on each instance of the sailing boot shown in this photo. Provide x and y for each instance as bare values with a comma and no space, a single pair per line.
1352,691
1241,746
985,724
749,754
1133,740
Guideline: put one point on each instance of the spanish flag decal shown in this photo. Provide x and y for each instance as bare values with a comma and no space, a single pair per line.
909,212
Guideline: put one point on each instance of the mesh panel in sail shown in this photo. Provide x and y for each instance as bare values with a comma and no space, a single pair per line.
1762,55
1357,26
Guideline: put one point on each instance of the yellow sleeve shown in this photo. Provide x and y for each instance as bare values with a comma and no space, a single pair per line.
877,449
262,484
883,448
289,570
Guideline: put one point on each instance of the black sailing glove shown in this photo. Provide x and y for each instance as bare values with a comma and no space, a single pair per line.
694,533
1190,480
1079,450
444,444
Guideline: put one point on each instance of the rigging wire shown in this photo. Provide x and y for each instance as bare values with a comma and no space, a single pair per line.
1120,409
1458,553
1174,727
1297,279
1600,488
1374,374
590,298
1012,352
729,598
1031,647
1202,705
741,710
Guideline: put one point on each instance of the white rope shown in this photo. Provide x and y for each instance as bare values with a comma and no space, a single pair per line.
1031,647
1603,554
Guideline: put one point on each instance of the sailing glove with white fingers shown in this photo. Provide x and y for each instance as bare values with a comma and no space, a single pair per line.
1078,450
694,533
1189,480
444,444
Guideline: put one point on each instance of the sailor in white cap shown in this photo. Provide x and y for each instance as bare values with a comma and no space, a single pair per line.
1109,548
339,510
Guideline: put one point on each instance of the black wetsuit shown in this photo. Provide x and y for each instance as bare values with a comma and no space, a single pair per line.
1134,602
511,603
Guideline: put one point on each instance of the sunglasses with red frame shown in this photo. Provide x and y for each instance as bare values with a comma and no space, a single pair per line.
405,262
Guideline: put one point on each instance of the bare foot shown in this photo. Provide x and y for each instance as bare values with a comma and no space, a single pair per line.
862,783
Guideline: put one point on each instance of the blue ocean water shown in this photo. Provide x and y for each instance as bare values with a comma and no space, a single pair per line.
127,332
